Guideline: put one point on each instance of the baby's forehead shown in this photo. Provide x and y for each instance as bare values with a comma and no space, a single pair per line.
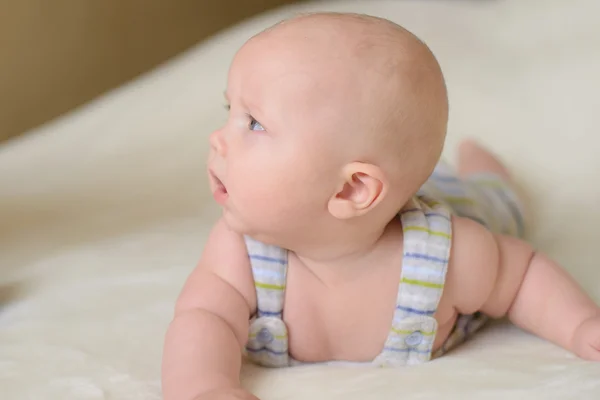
346,43
352,65
288,63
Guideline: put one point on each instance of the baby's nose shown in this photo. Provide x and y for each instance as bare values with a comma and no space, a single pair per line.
217,142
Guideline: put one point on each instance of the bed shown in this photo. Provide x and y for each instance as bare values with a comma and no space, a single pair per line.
104,211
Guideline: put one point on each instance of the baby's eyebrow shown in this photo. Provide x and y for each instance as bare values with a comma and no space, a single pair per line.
225,95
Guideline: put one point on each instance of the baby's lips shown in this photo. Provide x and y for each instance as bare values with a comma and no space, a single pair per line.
218,183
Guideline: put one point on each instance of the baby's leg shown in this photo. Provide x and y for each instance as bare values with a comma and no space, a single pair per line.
549,302
474,159
498,200
552,305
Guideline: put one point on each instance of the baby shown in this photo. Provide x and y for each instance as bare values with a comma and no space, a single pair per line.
343,237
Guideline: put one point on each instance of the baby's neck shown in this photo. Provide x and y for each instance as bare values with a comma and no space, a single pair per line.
348,256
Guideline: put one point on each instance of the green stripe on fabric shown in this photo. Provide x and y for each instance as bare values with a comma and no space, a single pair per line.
269,286
423,229
459,200
278,337
409,332
431,203
423,283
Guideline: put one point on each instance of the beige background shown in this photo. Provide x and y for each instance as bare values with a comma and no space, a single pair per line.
55,55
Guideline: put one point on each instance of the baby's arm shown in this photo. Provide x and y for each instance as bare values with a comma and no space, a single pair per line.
501,275
203,345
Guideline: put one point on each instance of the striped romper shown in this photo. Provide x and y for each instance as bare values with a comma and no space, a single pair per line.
427,228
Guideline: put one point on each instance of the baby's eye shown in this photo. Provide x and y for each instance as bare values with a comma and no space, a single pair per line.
255,125
227,107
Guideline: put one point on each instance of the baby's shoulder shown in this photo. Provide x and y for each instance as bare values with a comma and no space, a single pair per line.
224,259
226,252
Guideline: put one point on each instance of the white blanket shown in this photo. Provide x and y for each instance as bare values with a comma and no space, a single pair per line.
104,212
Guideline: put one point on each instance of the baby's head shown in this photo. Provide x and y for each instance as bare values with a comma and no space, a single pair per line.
336,120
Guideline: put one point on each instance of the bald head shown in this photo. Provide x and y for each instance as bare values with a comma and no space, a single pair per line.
399,100
371,89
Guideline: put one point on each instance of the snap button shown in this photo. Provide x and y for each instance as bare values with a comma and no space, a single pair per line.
264,336
414,339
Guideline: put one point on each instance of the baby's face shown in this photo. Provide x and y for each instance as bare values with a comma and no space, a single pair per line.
273,164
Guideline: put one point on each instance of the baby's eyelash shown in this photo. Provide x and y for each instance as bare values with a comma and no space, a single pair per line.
227,107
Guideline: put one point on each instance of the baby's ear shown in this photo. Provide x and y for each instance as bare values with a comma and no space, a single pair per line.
363,186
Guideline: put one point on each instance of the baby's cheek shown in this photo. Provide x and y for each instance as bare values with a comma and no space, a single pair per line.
266,178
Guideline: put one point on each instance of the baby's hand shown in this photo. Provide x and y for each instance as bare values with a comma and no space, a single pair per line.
586,341
227,394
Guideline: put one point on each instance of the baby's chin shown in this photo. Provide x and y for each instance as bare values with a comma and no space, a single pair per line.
242,228
238,225
233,223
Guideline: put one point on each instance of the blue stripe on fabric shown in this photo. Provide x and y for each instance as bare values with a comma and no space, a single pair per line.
274,352
421,256
515,212
440,177
415,311
437,215
452,189
422,271
269,313
267,273
410,350
267,259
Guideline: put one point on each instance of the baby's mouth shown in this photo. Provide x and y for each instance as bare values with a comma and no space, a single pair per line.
220,185
219,190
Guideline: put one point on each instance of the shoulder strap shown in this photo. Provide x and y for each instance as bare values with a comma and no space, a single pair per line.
427,239
269,268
